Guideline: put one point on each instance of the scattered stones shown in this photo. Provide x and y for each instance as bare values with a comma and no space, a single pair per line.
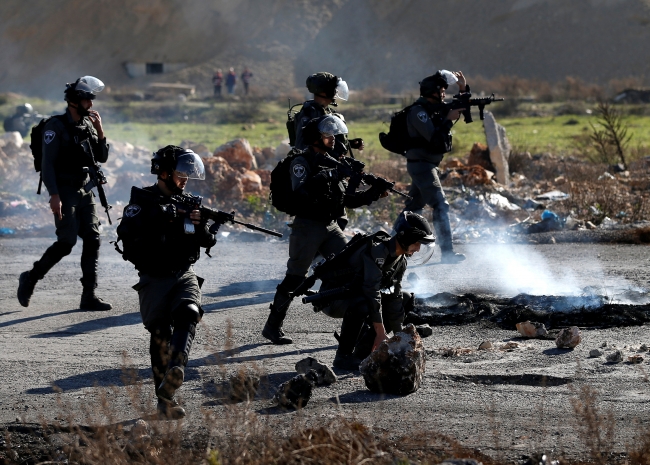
424,331
509,346
324,374
499,147
604,344
296,392
531,329
643,348
568,338
461,462
595,353
140,430
238,153
615,357
398,364
243,386
485,345
634,359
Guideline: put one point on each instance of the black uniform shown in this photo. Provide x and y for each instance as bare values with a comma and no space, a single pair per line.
315,229
63,173
155,242
373,274
310,110
431,137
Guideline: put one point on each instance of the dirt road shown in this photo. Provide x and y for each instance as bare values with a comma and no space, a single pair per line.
492,400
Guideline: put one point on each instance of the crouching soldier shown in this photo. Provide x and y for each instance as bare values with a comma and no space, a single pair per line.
163,242
364,281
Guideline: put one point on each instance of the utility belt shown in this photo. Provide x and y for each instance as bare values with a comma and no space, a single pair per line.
75,182
158,273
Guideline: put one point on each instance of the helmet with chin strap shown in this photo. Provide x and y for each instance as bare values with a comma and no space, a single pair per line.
326,124
172,159
432,84
84,88
411,228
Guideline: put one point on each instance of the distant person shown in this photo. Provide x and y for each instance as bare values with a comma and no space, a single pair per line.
64,170
22,120
245,78
217,82
231,81
430,139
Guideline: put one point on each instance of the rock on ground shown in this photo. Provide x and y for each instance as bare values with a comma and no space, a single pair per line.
568,338
325,375
531,329
398,364
238,153
615,357
296,392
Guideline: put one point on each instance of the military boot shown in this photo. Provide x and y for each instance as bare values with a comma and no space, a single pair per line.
351,326
180,346
273,327
346,362
26,286
90,302
169,409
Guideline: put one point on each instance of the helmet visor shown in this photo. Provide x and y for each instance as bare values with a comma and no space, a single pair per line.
449,77
423,255
341,91
89,84
332,126
189,165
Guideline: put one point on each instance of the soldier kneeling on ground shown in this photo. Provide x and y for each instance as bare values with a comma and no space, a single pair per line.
367,277
163,243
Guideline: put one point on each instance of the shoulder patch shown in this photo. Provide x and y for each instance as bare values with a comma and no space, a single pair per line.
132,210
380,261
422,116
298,170
48,136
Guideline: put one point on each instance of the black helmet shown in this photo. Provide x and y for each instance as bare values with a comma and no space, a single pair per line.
328,85
411,228
326,124
183,161
84,88
23,109
432,84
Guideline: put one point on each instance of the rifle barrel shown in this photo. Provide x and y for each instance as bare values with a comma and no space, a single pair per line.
258,228
395,191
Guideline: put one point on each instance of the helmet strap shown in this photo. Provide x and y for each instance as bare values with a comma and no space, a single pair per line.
171,185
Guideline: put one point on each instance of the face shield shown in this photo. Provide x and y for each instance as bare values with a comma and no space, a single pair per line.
341,91
89,84
423,255
449,77
332,126
190,166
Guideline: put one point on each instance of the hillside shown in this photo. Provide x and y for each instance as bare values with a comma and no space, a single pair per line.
389,43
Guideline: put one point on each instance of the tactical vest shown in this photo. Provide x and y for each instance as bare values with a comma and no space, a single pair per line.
71,160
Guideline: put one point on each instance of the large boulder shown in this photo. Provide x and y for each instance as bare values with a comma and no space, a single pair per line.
238,153
251,182
531,329
398,364
282,150
221,180
480,155
499,147
12,137
568,338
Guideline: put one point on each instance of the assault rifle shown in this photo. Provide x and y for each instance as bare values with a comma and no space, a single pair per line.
464,100
189,202
97,178
353,168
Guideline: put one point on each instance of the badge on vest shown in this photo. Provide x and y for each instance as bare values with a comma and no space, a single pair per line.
380,261
298,171
132,210
422,116
48,136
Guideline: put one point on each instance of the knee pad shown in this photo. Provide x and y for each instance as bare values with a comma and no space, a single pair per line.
186,316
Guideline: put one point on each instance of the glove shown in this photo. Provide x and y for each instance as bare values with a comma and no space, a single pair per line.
356,143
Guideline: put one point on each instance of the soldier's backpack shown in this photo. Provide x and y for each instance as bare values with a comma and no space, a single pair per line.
282,196
36,145
291,122
398,139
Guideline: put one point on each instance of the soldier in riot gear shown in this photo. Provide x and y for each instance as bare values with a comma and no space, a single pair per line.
65,173
322,198
156,240
430,132
326,89
22,120
371,287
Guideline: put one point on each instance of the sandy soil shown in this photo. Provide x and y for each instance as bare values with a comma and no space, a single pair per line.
495,401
